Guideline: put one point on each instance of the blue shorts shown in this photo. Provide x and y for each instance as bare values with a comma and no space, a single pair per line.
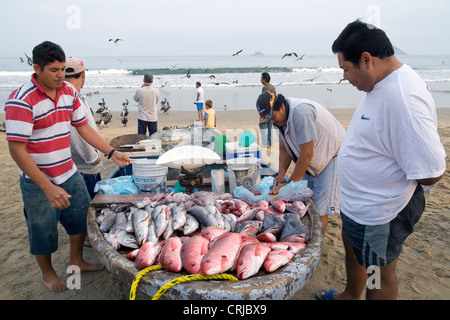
381,244
42,219
199,106
325,189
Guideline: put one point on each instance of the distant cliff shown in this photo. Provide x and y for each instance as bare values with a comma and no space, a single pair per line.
399,51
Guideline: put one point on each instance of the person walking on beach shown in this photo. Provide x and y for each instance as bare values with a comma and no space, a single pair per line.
266,128
85,157
390,154
310,136
210,115
200,99
38,118
147,98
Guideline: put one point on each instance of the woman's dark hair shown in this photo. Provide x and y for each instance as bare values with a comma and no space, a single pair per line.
359,37
47,52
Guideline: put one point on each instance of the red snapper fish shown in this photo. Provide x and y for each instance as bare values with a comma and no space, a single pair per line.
170,257
192,252
250,259
212,233
222,255
276,259
146,255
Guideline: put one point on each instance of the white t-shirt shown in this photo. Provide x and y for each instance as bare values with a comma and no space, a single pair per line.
201,97
392,141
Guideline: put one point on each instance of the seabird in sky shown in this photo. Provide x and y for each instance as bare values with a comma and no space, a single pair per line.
116,40
289,54
188,75
235,54
29,60
301,58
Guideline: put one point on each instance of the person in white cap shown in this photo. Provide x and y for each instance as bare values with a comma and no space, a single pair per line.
86,157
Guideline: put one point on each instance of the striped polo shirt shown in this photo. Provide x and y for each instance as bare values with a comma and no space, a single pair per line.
44,125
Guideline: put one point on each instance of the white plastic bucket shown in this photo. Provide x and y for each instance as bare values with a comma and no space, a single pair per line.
149,177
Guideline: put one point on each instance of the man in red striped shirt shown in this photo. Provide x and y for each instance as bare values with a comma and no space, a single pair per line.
38,119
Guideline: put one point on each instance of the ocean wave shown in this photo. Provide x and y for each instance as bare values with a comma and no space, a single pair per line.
184,71
108,72
317,70
15,73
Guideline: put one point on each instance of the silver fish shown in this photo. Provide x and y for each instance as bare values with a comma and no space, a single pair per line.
178,217
161,220
201,214
108,220
169,228
140,220
151,237
127,239
293,229
111,238
139,204
191,224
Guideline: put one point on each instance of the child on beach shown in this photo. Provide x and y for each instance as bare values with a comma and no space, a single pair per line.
210,115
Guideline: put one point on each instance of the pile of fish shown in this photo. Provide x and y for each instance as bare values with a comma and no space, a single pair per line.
206,233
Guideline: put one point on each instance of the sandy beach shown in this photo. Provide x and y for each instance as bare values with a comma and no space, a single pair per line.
423,267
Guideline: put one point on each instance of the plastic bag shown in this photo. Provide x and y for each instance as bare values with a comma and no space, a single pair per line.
263,188
244,194
120,185
295,191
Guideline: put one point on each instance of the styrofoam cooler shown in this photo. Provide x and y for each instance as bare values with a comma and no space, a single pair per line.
234,150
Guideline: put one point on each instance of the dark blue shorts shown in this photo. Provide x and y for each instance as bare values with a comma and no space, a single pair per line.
381,244
199,106
42,219
143,125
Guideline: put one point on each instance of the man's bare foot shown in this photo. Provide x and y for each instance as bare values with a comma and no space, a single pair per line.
54,283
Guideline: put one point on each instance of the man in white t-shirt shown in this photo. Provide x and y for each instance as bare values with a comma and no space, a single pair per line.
200,100
391,149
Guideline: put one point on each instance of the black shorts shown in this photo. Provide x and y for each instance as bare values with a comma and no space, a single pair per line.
381,244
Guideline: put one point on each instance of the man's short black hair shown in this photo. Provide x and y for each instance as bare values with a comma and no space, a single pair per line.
359,37
46,53
265,76
148,78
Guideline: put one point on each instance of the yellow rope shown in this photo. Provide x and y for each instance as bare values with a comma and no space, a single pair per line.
192,277
138,278
164,288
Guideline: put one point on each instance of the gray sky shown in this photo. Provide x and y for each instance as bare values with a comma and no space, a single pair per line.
213,27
